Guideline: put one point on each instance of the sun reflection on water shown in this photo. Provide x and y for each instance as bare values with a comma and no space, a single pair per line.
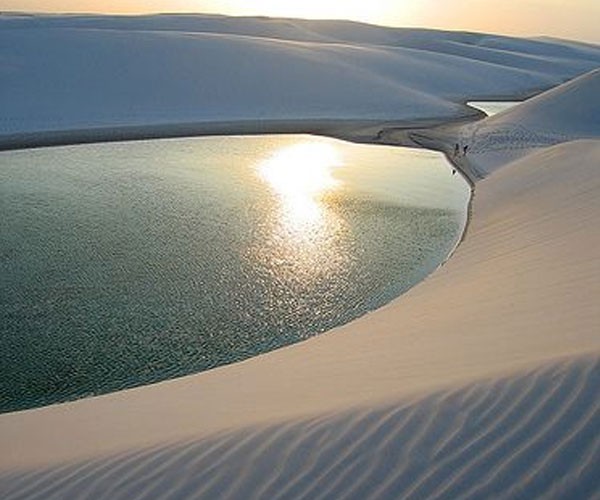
301,175
306,227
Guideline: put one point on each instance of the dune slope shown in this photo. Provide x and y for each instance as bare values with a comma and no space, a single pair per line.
122,77
513,294
530,435
482,381
569,111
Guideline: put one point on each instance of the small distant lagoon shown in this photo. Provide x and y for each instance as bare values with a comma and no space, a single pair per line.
124,264
492,108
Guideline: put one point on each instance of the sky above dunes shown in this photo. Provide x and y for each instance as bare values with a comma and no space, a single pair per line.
575,19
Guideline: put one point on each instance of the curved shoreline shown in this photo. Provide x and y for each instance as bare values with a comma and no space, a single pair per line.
481,381
194,332
453,328
353,130
457,434
335,371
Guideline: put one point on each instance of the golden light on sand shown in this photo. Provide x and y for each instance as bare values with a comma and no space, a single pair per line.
300,175
575,19
353,9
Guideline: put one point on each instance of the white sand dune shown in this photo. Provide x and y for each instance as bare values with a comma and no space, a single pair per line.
530,435
521,289
138,73
569,111
480,382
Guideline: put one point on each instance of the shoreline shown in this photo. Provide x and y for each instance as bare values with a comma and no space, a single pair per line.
263,383
444,258
480,381
352,130
436,427
399,133
369,131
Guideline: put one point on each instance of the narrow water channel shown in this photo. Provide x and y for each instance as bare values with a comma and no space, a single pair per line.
492,108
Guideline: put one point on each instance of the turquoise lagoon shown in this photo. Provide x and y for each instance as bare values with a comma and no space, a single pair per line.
129,263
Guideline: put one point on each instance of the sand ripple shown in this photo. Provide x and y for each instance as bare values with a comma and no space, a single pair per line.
530,435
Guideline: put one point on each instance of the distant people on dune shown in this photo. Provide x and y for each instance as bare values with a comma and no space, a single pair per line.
457,149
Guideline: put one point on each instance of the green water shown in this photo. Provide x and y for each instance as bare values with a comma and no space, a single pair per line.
129,263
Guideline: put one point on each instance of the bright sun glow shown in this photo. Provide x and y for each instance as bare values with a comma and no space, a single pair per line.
374,11
574,19
300,175
358,9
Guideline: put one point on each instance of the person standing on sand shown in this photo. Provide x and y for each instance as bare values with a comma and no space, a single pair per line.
465,147
456,150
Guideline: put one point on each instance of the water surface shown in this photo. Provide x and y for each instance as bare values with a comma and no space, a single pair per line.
128,263
492,108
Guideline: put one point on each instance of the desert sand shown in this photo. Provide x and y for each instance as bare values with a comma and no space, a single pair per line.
481,381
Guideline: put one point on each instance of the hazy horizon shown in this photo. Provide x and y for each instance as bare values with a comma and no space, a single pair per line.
526,18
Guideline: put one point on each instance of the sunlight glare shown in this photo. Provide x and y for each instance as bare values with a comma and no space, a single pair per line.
300,175
373,11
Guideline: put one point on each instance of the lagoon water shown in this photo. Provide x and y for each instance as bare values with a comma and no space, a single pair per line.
129,263
492,108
